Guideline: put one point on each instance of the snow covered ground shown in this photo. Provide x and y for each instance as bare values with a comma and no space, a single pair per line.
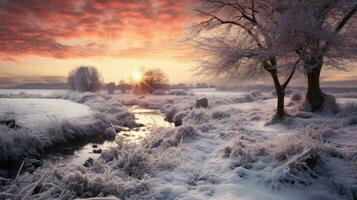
37,113
227,151
37,92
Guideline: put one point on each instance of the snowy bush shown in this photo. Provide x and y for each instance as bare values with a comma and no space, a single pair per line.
300,156
167,159
158,137
220,115
15,144
179,117
71,182
206,127
168,137
134,162
243,152
185,133
197,116
169,112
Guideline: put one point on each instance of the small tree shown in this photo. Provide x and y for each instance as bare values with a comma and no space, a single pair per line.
153,79
111,87
84,79
123,86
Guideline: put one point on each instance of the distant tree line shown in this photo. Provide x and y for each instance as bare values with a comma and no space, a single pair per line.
88,79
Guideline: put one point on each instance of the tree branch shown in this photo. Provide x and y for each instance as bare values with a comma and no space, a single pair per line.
286,82
233,23
240,8
345,19
340,25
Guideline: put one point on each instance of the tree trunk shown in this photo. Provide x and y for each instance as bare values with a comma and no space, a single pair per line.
280,112
280,107
314,96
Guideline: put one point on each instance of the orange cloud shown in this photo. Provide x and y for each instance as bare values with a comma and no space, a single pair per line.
65,29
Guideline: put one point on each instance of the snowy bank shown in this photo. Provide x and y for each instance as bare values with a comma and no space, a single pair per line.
53,121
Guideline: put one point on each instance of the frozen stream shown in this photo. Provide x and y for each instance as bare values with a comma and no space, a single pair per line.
149,118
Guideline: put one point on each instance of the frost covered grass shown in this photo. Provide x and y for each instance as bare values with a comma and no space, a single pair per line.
301,157
73,182
123,172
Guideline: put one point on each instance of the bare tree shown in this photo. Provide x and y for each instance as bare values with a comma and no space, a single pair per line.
237,37
319,31
111,87
153,79
84,79
123,86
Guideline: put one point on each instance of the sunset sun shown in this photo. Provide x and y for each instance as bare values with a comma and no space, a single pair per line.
137,76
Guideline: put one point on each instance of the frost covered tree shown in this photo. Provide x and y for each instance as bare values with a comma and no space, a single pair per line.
322,33
153,79
238,41
84,79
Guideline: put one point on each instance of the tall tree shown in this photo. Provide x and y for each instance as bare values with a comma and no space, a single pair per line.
319,31
237,37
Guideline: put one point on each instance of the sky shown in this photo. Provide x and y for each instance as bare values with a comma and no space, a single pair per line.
42,40
45,39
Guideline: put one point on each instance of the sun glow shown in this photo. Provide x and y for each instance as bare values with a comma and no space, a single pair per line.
137,76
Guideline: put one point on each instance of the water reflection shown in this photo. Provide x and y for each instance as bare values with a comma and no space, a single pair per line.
149,118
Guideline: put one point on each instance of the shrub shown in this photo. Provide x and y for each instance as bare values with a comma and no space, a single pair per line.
179,116
220,115
135,162
196,117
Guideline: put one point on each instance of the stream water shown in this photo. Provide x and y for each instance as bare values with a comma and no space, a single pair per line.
149,118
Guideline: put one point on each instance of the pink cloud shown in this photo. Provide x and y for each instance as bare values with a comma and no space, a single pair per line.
39,27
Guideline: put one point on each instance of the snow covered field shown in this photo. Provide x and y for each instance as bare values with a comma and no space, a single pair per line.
227,151
37,113
37,92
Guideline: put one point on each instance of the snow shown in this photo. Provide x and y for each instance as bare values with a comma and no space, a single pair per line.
36,113
41,92
227,151
214,92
